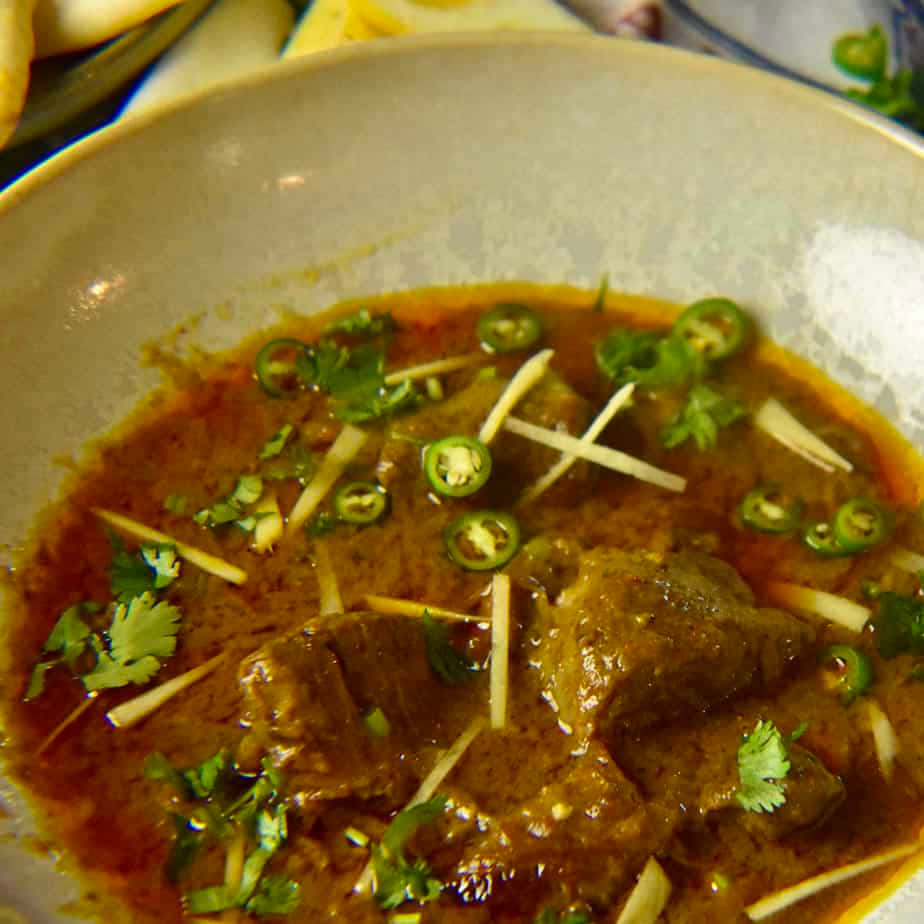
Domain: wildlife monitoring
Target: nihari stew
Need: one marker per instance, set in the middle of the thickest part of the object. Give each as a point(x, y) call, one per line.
point(501, 604)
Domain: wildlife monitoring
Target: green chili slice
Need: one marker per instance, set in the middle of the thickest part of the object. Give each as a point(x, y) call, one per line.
point(769, 509)
point(482, 540)
point(457, 465)
point(862, 55)
point(361, 503)
point(714, 327)
point(820, 538)
point(509, 327)
point(277, 367)
point(854, 671)
point(859, 525)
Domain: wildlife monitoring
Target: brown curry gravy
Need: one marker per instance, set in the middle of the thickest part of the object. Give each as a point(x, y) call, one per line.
point(196, 438)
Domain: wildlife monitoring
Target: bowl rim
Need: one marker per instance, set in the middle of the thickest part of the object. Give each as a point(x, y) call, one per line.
point(751, 79)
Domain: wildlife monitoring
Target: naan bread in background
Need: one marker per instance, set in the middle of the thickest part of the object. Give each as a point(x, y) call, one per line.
point(16, 46)
point(72, 25)
point(234, 38)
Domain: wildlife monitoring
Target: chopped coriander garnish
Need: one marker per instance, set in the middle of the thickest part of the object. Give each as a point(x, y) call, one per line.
point(142, 632)
point(246, 491)
point(705, 412)
point(294, 462)
point(68, 640)
point(221, 812)
point(362, 323)
point(275, 895)
point(397, 879)
point(449, 665)
point(762, 762)
point(648, 359)
point(154, 567)
point(276, 443)
point(899, 625)
point(378, 403)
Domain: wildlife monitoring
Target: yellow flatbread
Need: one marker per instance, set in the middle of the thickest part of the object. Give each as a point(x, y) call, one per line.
point(16, 46)
point(71, 25)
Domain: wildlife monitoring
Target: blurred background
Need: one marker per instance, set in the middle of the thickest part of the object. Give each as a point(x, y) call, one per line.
point(88, 63)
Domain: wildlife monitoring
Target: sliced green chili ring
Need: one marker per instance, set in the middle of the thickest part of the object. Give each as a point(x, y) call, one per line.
point(457, 465)
point(509, 327)
point(854, 671)
point(482, 540)
point(715, 327)
point(860, 524)
point(769, 509)
point(361, 503)
point(820, 538)
point(277, 367)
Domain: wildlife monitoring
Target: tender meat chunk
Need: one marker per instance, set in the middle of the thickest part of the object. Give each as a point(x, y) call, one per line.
point(305, 696)
point(689, 772)
point(640, 638)
point(580, 837)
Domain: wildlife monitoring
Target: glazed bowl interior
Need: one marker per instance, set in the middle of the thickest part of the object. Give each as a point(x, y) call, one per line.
point(446, 161)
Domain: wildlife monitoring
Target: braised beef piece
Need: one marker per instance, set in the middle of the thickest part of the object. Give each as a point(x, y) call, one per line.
point(305, 696)
point(640, 638)
point(580, 837)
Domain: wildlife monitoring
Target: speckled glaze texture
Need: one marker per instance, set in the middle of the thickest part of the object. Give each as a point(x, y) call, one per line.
point(429, 162)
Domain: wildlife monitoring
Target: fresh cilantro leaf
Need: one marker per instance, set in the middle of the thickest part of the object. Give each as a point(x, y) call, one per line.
point(276, 443)
point(296, 463)
point(163, 560)
point(210, 900)
point(203, 779)
point(70, 633)
point(109, 673)
point(648, 359)
point(396, 879)
point(762, 762)
point(622, 352)
point(362, 323)
point(141, 632)
point(266, 788)
point(246, 491)
point(705, 412)
point(275, 895)
point(129, 575)
point(452, 667)
point(797, 732)
point(383, 402)
point(36, 685)
point(143, 628)
point(899, 625)
point(355, 379)
point(405, 823)
point(253, 870)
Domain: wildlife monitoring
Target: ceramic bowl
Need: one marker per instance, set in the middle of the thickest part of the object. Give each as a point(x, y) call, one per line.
point(442, 161)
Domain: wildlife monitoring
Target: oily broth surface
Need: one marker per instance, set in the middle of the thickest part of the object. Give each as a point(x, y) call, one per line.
point(197, 438)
